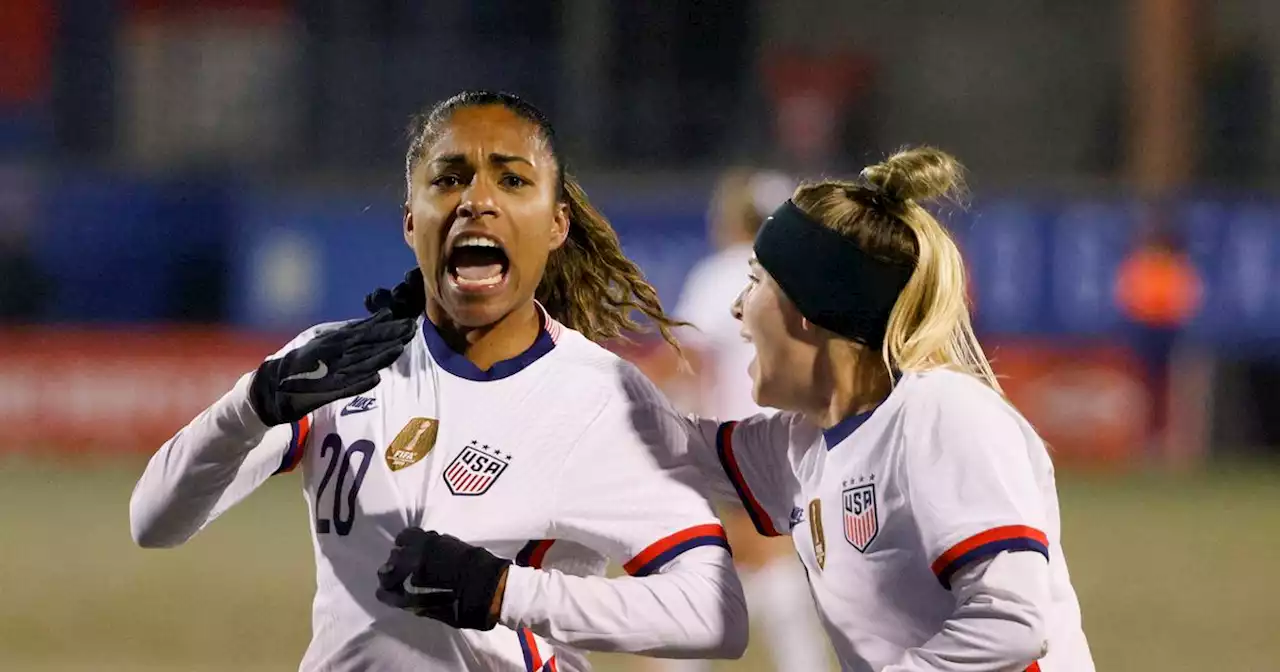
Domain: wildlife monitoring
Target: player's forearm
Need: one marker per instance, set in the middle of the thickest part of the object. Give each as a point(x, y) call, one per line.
point(998, 624)
point(186, 477)
point(694, 609)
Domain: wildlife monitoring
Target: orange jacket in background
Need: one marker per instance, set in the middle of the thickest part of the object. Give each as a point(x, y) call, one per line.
point(1158, 288)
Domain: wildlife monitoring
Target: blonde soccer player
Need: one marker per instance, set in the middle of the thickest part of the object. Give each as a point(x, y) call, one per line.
point(470, 467)
point(922, 504)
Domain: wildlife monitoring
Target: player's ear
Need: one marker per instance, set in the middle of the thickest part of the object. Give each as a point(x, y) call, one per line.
point(407, 225)
point(560, 225)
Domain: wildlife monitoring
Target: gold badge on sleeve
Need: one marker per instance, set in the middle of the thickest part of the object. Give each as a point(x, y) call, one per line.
point(815, 531)
point(412, 443)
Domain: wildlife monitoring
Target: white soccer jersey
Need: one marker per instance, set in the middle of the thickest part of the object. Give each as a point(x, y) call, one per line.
point(553, 459)
point(890, 511)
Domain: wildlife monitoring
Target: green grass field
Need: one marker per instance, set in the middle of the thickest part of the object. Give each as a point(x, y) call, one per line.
point(1174, 573)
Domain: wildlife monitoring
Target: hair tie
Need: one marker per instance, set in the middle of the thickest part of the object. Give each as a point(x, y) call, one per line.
point(872, 193)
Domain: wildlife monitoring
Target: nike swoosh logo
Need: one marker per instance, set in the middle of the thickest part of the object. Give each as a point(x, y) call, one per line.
point(352, 409)
point(320, 371)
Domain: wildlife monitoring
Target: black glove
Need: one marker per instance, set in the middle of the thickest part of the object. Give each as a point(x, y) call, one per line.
point(335, 365)
point(407, 300)
point(442, 577)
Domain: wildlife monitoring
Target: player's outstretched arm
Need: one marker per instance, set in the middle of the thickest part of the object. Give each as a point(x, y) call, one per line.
point(683, 600)
point(692, 607)
point(259, 427)
point(225, 453)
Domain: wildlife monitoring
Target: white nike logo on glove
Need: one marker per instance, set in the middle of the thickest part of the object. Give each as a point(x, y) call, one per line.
point(320, 371)
point(421, 590)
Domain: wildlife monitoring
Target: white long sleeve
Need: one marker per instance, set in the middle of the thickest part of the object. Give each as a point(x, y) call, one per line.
point(224, 454)
point(694, 608)
point(749, 462)
point(998, 624)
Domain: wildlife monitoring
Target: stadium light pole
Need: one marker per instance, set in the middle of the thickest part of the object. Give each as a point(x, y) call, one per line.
point(1163, 103)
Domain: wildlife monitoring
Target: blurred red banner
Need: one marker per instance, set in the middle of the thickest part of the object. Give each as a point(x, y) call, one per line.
point(1090, 402)
point(127, 391)
point(114, 390)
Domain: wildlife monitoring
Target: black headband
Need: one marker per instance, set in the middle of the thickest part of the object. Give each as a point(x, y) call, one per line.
point(833, 283)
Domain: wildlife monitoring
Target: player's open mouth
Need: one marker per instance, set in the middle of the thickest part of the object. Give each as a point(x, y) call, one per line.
point(477, 263)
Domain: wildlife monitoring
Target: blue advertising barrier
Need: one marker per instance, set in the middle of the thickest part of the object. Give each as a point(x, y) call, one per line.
point(117, 248)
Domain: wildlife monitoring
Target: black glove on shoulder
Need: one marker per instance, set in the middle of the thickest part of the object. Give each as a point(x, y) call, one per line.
point(442, 577)
point(407, 300)
point(334, 365)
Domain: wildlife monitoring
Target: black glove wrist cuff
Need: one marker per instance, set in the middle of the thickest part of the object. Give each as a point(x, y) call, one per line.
point(260, 397)
point(481, 574)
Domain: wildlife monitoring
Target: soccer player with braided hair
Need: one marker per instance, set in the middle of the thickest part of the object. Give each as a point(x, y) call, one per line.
point(471, 457)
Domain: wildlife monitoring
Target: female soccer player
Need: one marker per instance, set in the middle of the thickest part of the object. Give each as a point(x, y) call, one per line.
point(487, 475)
point(922, 505)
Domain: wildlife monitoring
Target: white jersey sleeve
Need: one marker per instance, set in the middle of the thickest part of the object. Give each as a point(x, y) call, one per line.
point(970, 482)
point(693, 608)
point(626, 491)
point(750, 461)
point(998, 623)
point(212, 464)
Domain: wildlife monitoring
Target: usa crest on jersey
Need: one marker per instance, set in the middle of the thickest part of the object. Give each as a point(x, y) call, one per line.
point(861, 520)
point(474, 470)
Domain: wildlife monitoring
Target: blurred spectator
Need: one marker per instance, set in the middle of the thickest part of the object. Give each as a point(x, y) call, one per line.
point(741, 201)
point(1159, 290)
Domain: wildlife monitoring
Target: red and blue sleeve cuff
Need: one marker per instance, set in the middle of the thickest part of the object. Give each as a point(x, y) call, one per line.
point(532, 657)
point(663, 551)
point(297, 446)
point(534, 553)
point(988, 544)
point(729, 461)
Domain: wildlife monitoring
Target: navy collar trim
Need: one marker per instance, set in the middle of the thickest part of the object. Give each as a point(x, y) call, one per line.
point(456, 363)
point(843, 429)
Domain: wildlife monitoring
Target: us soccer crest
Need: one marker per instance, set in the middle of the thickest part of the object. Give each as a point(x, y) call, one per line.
point(475, 469)
point(861, 518)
